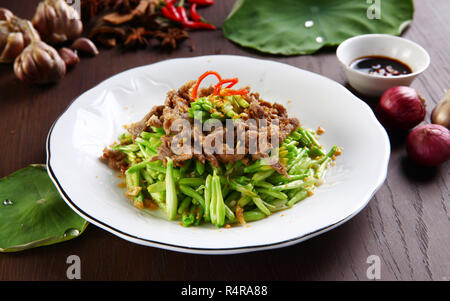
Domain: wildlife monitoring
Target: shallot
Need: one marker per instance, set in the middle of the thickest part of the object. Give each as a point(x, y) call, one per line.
point(429, 145)
point(401, 108)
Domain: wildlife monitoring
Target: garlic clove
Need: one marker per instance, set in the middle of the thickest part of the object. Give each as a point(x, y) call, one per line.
point(13, 47)
point(31, 68)
point(42, 59)
point(441, 112)
point(76, 27)
point(69, 57)
point(85, 45)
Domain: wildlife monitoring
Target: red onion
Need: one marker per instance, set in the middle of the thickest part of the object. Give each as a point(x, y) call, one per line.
point(429, 145)
point(401, 108)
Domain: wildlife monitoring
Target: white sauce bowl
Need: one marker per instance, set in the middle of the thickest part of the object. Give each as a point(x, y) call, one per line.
point(384, 45)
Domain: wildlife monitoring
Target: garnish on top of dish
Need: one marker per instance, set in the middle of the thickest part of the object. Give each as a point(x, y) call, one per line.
point(219, 155)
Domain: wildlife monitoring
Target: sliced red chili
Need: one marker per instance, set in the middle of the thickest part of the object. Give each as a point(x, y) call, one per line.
point(235, 92)
point(201, 78)
point(218, 86)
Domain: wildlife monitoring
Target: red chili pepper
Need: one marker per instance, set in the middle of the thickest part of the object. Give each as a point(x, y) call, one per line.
point(202, 2)
point(166, 13)
point(183, 14)
point(193, 12)
point(173, 11)
point(198, 25)
point(199, 80)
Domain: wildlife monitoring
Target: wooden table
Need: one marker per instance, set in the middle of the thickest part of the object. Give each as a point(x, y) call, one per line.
point(406, 224)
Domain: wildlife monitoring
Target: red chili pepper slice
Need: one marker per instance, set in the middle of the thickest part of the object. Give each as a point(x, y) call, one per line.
point(218, 86)
point(201, 78)
point(193, 12)
point(235, 92)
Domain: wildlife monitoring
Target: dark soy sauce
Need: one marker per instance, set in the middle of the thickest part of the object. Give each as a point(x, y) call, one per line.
point(380, 65)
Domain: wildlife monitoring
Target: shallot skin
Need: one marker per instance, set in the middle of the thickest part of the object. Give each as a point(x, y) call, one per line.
point(401, 108)
point(429, 145)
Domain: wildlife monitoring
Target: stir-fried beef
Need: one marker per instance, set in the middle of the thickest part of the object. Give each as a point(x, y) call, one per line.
point(115, 159)
point(271, 119)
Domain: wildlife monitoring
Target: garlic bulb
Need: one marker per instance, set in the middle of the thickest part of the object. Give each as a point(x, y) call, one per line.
point(57, 22)
point(441, 112)
point(39, 63)
point(5, 14)
point(15, 35)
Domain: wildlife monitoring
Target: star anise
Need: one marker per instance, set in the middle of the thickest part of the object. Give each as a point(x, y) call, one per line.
point(138, 37)
point(171, 37)
point(106, 34)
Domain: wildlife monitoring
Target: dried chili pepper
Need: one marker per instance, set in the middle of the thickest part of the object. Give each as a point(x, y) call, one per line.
point(201, 78)
point(193, 12)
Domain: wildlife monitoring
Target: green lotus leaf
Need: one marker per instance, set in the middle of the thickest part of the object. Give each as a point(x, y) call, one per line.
point(32, 213)
point(291, 27)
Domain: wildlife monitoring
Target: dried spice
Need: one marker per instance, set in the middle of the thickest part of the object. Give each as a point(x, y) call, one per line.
point(171, 37)
point(124, 6)
point(107, 35)
point(91, 8)
point(117, 18)
point(134, 23)
point(138, 37)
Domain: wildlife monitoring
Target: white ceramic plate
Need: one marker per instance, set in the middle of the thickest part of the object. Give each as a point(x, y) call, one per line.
point(96, 118)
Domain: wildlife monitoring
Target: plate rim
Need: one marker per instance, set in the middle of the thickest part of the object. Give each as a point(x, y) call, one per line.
point(214, 251)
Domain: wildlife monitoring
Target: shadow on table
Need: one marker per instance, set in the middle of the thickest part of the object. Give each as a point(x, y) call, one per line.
point(13, 90)
point(419, 173)
point(319, 258)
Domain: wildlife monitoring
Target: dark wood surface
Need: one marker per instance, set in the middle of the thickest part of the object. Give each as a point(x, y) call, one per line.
point(406, 224)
